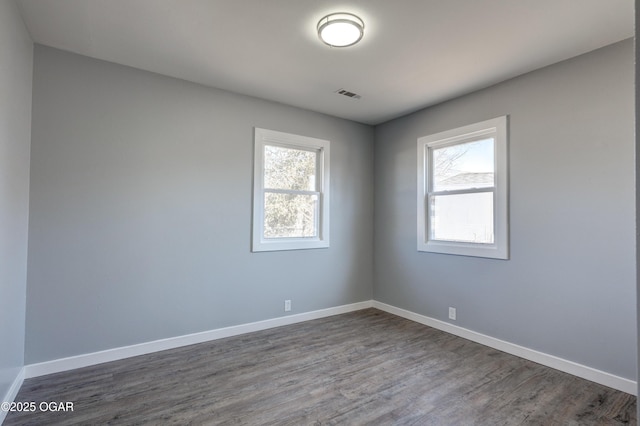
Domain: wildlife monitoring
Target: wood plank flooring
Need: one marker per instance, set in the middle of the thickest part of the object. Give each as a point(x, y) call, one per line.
point(366, 367)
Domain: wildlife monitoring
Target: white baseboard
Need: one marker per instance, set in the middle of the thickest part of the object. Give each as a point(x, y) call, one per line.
point(85, 360)
point(588, 373)
point(12, 392)
point(70, 363)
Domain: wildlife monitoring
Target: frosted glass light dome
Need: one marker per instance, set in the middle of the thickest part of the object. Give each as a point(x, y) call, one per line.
point(340, 29)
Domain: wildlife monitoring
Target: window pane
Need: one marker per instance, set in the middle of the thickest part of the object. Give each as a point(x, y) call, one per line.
point(289, 168)
point(290, 215)
point(462, 218)
point(463, 166)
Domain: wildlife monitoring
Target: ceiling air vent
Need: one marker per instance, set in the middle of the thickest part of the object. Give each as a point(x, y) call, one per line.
point(348, 94)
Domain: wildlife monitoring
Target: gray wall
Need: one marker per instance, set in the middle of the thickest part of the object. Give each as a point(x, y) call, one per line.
point(141, 210)
point(16, 58)
point(569, 288)
point(637, 117)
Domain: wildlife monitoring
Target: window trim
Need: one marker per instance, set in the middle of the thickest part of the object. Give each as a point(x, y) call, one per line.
point(496, 127)
point(263, 137)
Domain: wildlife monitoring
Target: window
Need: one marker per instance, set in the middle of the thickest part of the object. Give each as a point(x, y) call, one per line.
point(290, 192)
point(462, 191)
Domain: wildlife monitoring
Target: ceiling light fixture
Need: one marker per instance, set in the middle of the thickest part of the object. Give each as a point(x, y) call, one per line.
point(340, 29)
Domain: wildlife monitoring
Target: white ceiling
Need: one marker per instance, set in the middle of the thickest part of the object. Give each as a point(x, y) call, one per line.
point(414, 53)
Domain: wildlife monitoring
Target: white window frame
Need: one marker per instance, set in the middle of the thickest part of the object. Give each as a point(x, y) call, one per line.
point(496, 128)
point(264, 137)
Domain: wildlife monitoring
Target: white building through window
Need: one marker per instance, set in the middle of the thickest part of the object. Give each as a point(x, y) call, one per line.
point(291, 192)
point(463, 191)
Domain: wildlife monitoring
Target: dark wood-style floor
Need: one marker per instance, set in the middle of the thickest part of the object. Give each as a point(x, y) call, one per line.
point(365, 367)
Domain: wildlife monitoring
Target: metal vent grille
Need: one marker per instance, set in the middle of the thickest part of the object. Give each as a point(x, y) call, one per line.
point(348, 94)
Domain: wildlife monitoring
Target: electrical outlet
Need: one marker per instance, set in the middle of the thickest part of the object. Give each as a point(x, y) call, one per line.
point(452, 313)
point(287, 305)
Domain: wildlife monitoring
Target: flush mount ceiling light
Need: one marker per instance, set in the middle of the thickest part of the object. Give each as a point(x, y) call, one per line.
point(340, 29)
